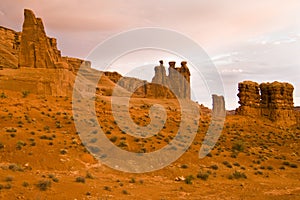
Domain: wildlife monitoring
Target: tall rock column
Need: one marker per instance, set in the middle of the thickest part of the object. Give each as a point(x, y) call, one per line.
point(179, 80)
point(218, 106)
point(160, 76)
point(36, 49)
point(277, 102)
point(185, 80)
point(249, 99)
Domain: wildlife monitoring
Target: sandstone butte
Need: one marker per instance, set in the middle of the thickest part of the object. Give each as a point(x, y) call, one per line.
point(273, 101)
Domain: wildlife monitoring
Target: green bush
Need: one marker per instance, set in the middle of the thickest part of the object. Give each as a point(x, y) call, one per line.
point(237, 175)
point(203, 176)
point(188, 179)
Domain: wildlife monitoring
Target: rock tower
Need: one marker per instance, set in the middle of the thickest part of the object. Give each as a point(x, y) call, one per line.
point(178, 79)
point(270, 100)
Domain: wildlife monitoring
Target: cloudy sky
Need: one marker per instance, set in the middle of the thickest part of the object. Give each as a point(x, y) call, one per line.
point(247, 40)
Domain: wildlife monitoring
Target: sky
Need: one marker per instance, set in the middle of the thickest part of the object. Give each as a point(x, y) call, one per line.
point(255, 40)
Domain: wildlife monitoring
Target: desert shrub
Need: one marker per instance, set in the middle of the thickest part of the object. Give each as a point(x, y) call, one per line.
point(270, 168)
point(43, 185)
point(25, 184)
point(3, 95)
point(292, 165)
point(209, 154)
point(237, 175)
point(20, 144)
point(184, 166)
point(106, 188)
point(258, 172)
point(214, 167)
point(89, 175)
point(132, 180)
point(25, 93)
point(125, 192)
point(1, 145)
point(63, 151)
point(55, 179)
point(227, 164)
point(7, 186)
point(122, 144)
point(9, 179)
point(282, 167)
point(188, 179)
point(238, 146)
point(286, 163)
point(15, 167)
point(45, 137)
point(203, 176)
point(11, 130)
point(113, 139)
point(58, 125)
point(80, 179)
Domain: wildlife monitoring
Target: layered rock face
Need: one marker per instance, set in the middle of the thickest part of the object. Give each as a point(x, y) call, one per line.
point(271, 100)
point(37, 50)
point(249, 98)
point(218, 106)
point(42, 70)
point(277, 101)
point(9, 48)
point(40, 67)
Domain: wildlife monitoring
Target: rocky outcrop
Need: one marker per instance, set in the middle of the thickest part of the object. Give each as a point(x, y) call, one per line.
point(297, 111)
point(160, 76)
point(277, 102)
point(32, 48)
point(178, 80)
point(270, 100)
point(249, 99)
point(140, 88)
point(9, 48)
point(218, 106)
point(40, 67)
point(32, 53)
point(175, 85)
point(37, 50)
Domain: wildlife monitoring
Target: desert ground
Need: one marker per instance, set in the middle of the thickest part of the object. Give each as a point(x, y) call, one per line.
point(42, 157)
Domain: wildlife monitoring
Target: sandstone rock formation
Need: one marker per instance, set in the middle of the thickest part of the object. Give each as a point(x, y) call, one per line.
point(175, 85)
point(33, 50)
point(9, 48)
point(249, 99)
point(277, 101)
point(42, 70)
point(218, 106)
point(178, 80)
point(37, 50)
point(270, 100)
